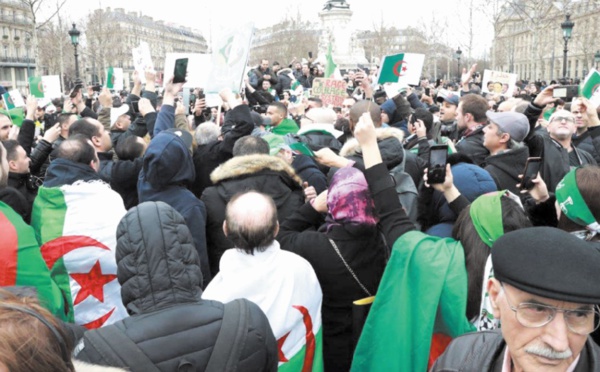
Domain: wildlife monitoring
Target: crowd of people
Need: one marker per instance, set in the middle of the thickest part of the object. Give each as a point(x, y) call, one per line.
point(274, 232)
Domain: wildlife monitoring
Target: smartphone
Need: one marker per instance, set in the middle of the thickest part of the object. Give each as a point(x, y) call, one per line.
point(532, 167)
point(180, 70)
point(135, 106)
point(309, 54)
point(436, 170)
point(201, 95)
point(75, 90)
point(566, 92)
point(427, 91)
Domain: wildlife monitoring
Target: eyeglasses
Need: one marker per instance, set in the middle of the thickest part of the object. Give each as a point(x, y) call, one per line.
point(561, 118)
point(532, 315)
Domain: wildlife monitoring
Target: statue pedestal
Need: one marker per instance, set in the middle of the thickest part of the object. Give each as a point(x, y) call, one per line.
point(337, 30)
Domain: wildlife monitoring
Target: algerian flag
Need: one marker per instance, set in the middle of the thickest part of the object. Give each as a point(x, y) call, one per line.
point(45, 86)
point(114, 78)
point(419, 307)
point(76, 227)
point(16, 115)
point(590, 88)
point(330, 66)
point(8, 102)
point(21, 263)
point(401, 68)
point(287, 290)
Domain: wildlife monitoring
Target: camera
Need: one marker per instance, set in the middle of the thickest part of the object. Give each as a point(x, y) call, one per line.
point(97, 87)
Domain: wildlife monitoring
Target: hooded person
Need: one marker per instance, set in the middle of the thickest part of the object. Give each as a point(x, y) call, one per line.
point(167, 172)
point(170, 324)
point(348, 235)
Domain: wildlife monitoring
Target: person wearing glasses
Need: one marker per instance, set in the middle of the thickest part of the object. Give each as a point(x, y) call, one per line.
point(560, 154)
point(544, 293)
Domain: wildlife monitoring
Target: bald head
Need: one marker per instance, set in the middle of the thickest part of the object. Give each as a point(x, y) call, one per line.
point(360, 108)
point(251, 221)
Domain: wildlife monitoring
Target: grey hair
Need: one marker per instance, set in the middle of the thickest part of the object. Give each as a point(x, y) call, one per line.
point(207, 133)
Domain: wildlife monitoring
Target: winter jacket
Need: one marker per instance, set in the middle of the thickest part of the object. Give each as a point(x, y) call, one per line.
point(66, 172)
point(160, 277)
point(472, 145)
point(506, 167)
point(309, 172)
point(257, 77)
point(363, 250)
point(556, 161)
point(209, 156)
point(122, 175)
point(167, 171)
point(26, 184)
point(263, 173)
point(589, 141)
point(484, 351)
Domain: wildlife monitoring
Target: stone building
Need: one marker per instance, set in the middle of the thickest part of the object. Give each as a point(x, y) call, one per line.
point(16, 55)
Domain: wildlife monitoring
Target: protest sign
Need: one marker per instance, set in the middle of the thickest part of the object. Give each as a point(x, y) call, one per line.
point(498, 82)
point(331, 91)
point(142, 60)
point(198, 68)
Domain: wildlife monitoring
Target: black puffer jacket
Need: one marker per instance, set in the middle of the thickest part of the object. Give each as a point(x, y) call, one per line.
point(159, 273)
point(506, 167)
point(472, 145)
point(264, 173)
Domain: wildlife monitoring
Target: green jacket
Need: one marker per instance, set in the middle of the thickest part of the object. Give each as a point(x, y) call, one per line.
point(286, 126)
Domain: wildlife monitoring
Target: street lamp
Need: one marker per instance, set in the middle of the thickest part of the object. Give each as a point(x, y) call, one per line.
point(74, 34)
point(457, 56)
point(567, 28)
point(597, 58)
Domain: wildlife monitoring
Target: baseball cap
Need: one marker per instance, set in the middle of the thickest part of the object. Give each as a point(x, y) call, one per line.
point(513, 123)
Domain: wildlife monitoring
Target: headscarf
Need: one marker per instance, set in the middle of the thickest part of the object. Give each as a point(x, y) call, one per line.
point(486, 214)
point(349, 201)
point(573, 205)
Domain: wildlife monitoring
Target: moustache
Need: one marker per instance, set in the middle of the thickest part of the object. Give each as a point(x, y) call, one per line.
point(548, 352)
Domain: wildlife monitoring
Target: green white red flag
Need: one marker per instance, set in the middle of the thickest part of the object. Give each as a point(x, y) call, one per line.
point(76, 227)
point(401, 68)
point(419, 308)
point(21, 263)
point(590, 88)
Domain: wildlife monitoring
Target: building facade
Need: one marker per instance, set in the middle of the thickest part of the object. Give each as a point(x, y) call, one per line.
point(529, 40)
point(16, 56)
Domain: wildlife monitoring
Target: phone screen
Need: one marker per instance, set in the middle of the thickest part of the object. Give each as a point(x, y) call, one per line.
point(532, 167)
point(180, 70)
point(436, 172)
point(135, 105)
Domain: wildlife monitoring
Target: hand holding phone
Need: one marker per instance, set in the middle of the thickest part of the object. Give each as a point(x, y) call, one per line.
point(532, 168)
point(180, 72)
point(436, 170)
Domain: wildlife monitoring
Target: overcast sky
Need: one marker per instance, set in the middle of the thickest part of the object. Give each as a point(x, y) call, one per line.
point(210, 17)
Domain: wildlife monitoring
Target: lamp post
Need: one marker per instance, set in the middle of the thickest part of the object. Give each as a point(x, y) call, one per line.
point(597, 58)
point(74, 34)
point(457, 56)
point(567, 28)
point(27, 46)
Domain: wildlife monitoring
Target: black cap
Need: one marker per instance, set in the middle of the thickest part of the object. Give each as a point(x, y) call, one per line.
point(549, 262)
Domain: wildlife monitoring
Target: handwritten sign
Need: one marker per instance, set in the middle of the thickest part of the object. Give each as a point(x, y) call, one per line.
point(331, 91)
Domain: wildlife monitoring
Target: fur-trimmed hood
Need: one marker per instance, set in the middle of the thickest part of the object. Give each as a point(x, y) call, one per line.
point(390, 144)
point(251, 164)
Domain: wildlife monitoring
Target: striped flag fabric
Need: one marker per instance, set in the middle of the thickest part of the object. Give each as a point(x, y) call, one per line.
point(419, 307)
point(401, 68)
point(45, 86)
point(287, 290)
point(590, 88)
point(76, 227)
point(21, 263)
point(114, 78)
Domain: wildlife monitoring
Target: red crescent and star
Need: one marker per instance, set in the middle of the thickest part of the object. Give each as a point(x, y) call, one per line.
point(403, 68)
point(310, 341)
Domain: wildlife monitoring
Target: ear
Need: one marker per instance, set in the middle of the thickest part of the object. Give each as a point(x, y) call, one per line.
point(277, 229)
point(225, 228)
point(494, 289)
point(96, 141)
point(505, 138)
point(12, 166)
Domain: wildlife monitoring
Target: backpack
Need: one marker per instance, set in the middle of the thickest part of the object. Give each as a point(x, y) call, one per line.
point(406, 189)
point(118, 350)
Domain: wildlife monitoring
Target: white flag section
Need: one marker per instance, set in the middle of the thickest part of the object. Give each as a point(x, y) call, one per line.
point(402, 68)
point(76, 226)
point(16, 98)
point(51, 86)
point(142, 60)
point(229, 59)
point(590, 88)
point(285, 286)
point(198, 68)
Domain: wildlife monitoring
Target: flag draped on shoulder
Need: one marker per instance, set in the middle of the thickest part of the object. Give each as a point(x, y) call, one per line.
point(21, 263)
point(401, 68)
point(76, 227)
point(419, 307)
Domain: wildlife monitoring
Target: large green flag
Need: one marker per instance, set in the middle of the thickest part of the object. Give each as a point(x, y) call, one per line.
point(330, 66)
point(419, 307)
point(402, 68)
point(36, 86)
point(590, 88)
point(21, 262)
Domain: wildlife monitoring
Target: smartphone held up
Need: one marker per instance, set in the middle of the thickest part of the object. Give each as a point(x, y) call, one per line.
point(436, 170)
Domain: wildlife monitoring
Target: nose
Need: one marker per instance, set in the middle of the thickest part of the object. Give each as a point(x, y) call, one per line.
point(556, 333)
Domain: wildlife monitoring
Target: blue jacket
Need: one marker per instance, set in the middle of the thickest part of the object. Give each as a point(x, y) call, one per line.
point(66, 172)
point(167, 171)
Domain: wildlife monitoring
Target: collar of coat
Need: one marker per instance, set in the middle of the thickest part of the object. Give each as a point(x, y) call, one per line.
point(352, 147)
point(250, 164)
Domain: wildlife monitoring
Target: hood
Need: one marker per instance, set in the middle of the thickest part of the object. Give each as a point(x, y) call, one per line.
point(390, 145)
point(66, 172)
point(251, 164)
point(302, 163)
point(471, 180)
point(168, 162)
point(157, 263)
point(510, 162)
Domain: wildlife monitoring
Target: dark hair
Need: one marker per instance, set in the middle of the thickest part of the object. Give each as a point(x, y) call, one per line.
point(317, 100)
point(477, 252)
point(426, 117)
point(256, 236)
point(280, 107)
point(11, 147)
point(475, 105)
point(249, 145)
point(403, 109)
point(129, 148)
point(588, 178)
point(77, 149)
point(85, 128)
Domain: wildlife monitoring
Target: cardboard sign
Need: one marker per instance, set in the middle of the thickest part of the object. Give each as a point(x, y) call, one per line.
point(331, 91)
point(498, 82)
point(142, 60)
point(198, 68)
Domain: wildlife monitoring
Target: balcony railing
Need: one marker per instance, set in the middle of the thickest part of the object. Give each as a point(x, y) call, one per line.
point(17, 60)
